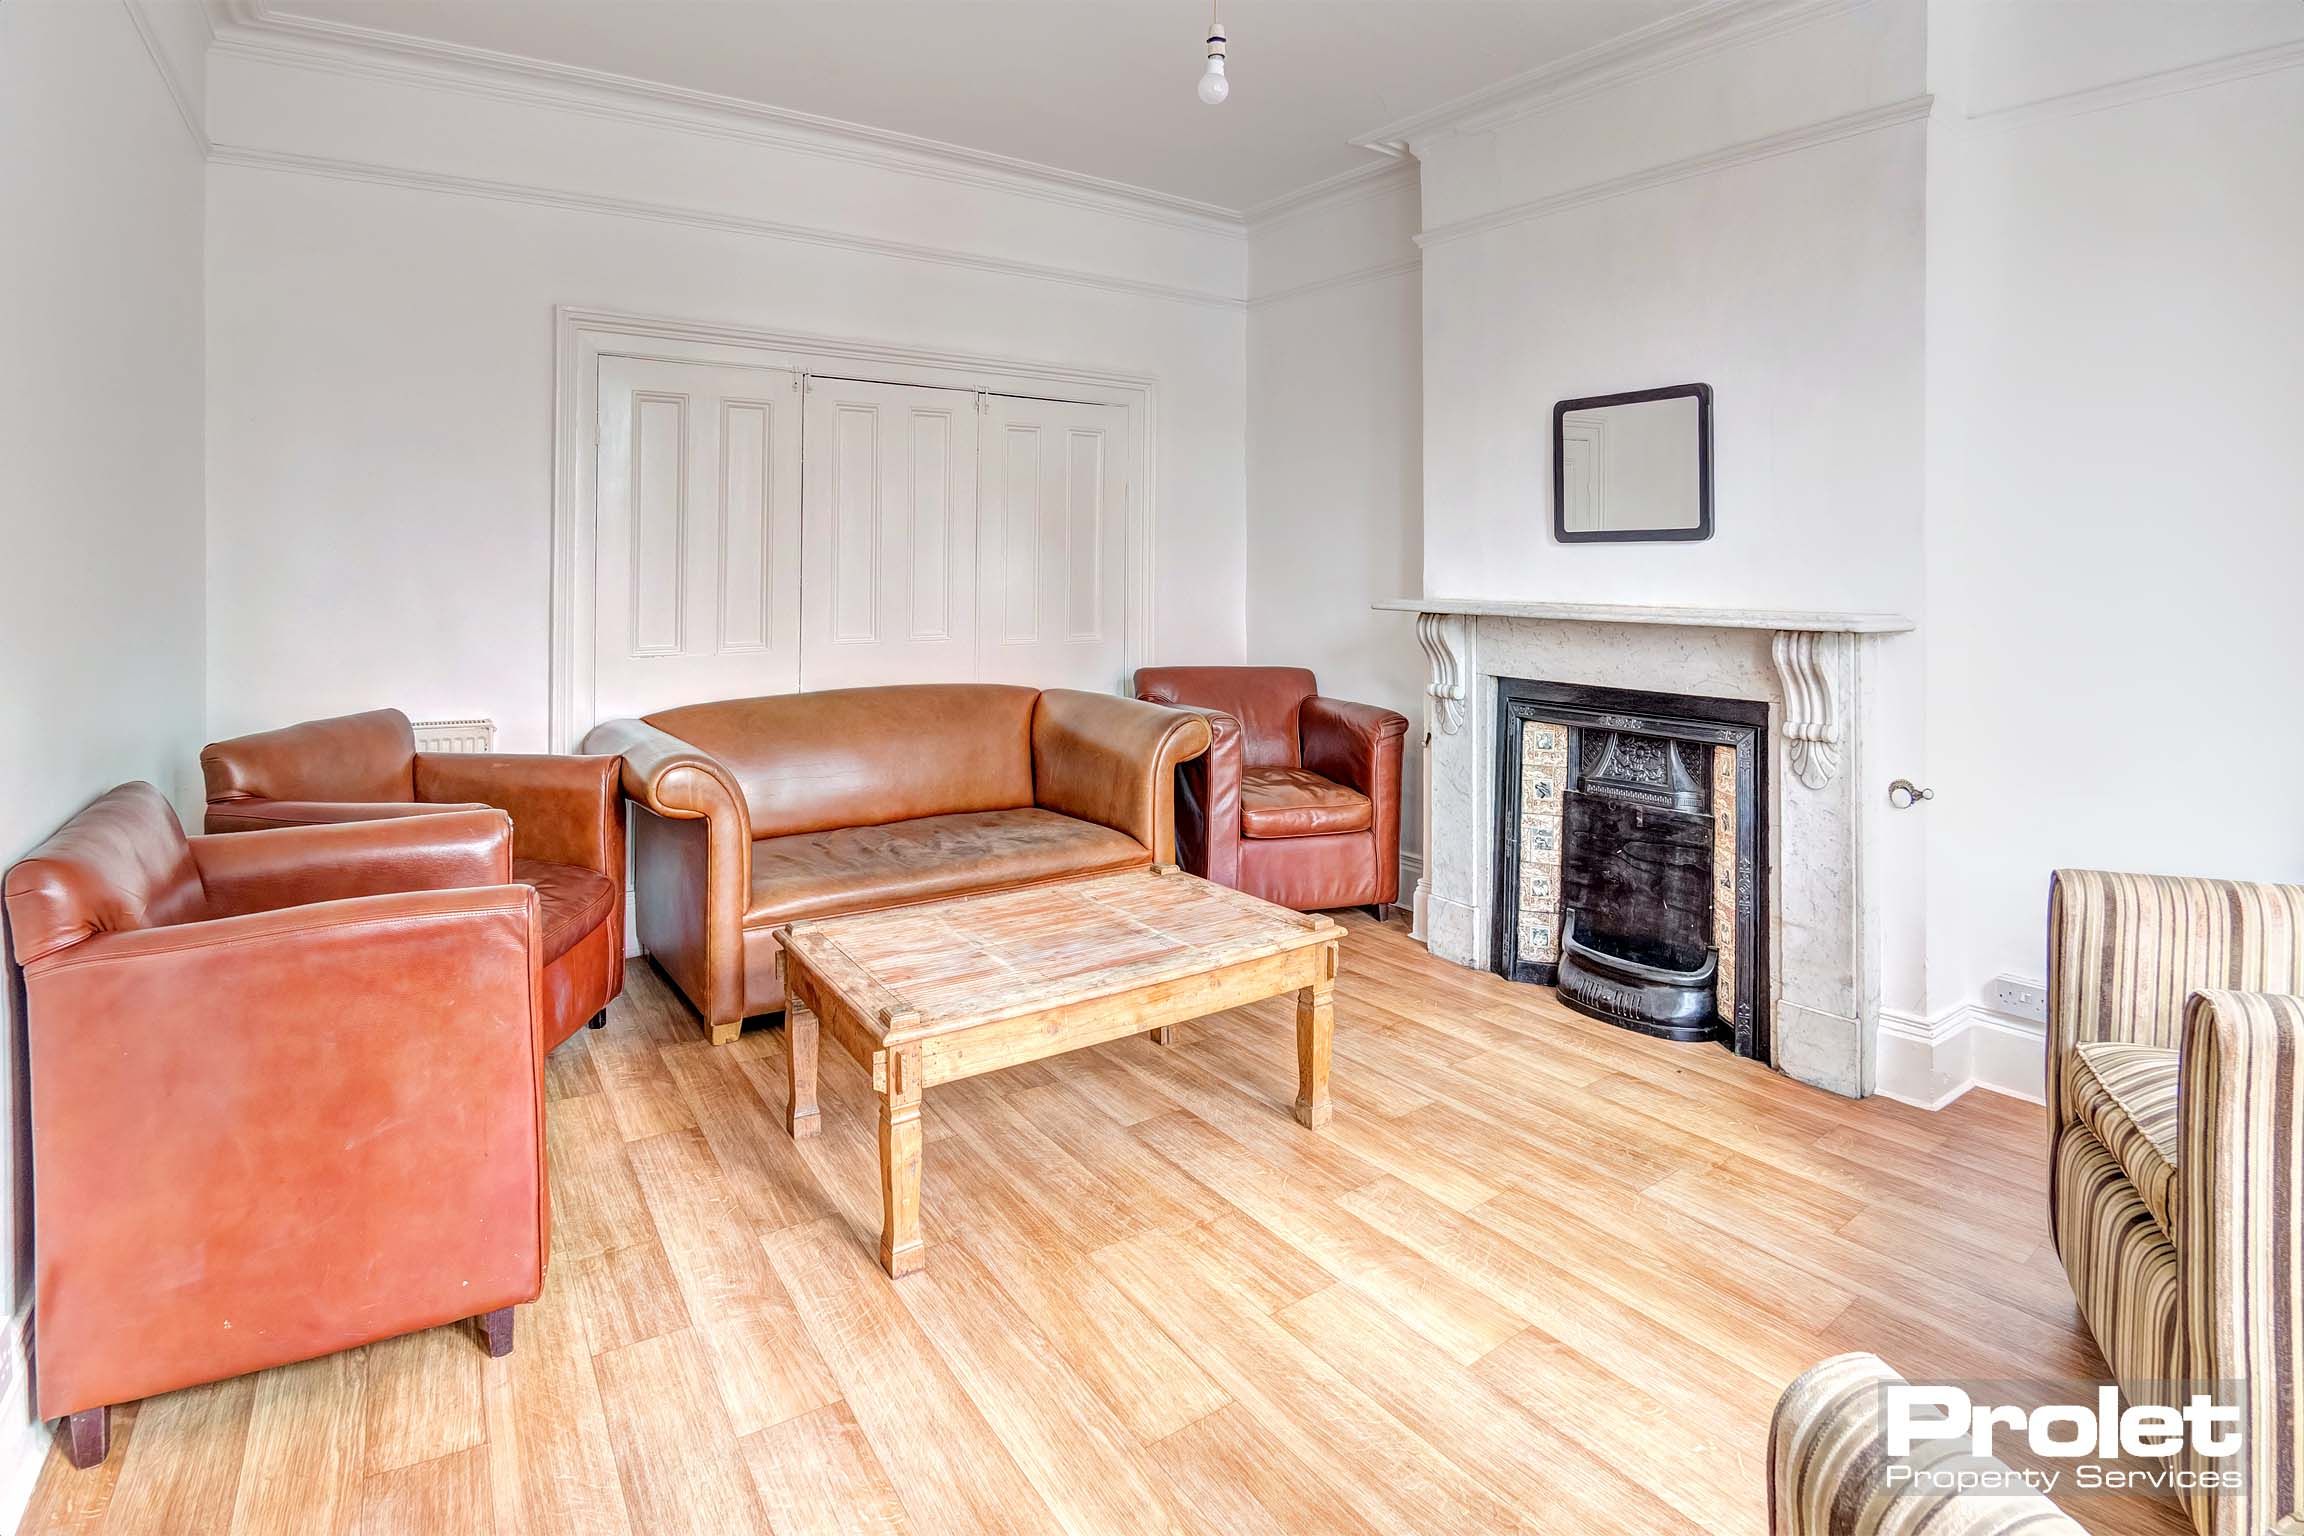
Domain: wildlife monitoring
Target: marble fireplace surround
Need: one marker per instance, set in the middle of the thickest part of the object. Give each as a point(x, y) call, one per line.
point(1814, 671)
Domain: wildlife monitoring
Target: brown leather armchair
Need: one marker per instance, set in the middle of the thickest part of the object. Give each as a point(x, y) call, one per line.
point(287, 1095)
point(1298, 798)
point(567, 827)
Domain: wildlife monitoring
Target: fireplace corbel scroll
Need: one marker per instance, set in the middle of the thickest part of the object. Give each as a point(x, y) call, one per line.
point(1442, 636)
point(1808, 665)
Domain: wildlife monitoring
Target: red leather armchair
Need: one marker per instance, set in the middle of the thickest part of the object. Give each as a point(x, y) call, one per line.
point(567, 827)
point(286, 1095)
point(1297, 800)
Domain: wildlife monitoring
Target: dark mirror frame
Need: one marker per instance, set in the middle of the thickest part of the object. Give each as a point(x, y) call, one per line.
point(1703, 529)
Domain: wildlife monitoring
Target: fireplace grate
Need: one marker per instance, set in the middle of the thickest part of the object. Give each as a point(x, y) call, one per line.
point(1631, 843)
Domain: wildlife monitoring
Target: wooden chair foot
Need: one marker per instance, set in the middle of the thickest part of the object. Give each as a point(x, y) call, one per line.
point(725, 1034)
point(496, 1332)
point(1164, 1035)
point(598, 1020)
point(88, 1437)
point(805, 1126)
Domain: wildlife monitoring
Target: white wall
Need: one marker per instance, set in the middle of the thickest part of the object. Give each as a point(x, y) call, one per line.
point(2115, 525)
point(100, 430)
point(1335, 464)
point(1631, 236)
point(386, 248)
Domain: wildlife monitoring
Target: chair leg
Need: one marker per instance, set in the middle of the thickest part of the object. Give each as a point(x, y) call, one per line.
point(88, 1437)
point(599, 1020)
point(1375, 910)
point(496, 1332)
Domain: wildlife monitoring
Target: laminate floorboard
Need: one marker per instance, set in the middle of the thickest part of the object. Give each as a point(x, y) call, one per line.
point(1540, 1274)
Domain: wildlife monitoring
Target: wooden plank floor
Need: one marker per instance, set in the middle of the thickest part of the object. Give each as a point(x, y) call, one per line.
point(1540, 1275)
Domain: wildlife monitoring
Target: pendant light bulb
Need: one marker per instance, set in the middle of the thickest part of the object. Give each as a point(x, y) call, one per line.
point(1213, 86)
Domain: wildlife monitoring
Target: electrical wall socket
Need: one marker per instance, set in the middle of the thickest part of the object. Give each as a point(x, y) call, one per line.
point(2018, 998)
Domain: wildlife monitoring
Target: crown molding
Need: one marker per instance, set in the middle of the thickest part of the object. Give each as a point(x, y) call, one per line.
point(245, 28)
point(1830, 130)
point(2163, 82)
point(1352, 279)
point(1661, 45)
point(701, 218)
point(177, 94)
point(1361, 181)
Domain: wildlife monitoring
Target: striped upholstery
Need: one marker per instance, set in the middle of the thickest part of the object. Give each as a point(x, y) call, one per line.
point(2242, 1237)
point(2125, 951)
point(1824, 1457)
point(2200, 1279)
point(2122, 1264)
point(2126, 1094)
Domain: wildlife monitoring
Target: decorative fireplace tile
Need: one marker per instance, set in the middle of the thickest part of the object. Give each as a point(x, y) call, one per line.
point(1540, 937)
point(1543, 778)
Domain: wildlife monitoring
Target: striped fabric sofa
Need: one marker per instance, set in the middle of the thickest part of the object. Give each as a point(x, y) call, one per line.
point(1826, 1451)
point(2175, 1121)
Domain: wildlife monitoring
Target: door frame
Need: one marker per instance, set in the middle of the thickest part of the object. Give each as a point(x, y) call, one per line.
point(581, 337)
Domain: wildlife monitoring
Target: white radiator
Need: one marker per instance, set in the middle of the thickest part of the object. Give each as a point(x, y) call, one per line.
point(454, 735)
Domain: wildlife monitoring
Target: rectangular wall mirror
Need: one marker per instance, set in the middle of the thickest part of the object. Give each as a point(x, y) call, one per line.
point(1633, 468)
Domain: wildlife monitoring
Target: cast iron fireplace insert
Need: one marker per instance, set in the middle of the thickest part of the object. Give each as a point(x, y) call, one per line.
point(1631, 857)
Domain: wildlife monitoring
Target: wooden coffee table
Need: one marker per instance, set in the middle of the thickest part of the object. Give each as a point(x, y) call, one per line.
point(923, 995)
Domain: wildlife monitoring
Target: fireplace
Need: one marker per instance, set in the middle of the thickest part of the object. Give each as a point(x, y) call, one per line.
point(1816, 873)
point(1631, 857)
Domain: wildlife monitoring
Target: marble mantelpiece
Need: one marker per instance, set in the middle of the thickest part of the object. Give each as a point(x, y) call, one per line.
point(1812, 669)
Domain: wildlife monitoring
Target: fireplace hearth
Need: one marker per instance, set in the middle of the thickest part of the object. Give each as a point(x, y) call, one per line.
point(1631, 848)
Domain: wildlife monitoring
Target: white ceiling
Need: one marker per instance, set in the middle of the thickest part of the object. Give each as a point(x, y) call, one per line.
point(1101, 87)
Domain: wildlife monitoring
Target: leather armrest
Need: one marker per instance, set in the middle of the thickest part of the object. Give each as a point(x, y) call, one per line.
point(253, 815)
point(1208, 802)
point(565, 810)
point(294, 866)
point(1359, 745)
point(668, 775)
point(1345, 743)
point(1113, 761)
point(696, 935)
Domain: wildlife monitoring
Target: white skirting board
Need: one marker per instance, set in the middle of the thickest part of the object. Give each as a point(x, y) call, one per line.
point(1931, 1062)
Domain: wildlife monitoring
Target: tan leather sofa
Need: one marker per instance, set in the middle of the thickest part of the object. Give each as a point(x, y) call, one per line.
point(757, 812)
point(567, 827)
point(286, 1094)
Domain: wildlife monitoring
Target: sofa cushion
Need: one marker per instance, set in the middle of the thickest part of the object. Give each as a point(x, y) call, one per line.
point(2126, 1094)
point(861, 869)
point(1293, 802)
point(571, 901)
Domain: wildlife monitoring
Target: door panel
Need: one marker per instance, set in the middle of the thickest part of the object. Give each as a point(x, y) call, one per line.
point(696, 572)
point(888, 541)
point(1055, 540)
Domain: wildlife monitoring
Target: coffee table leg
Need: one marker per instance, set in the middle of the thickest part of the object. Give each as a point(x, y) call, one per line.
point(1164, 1035)
point(800, 1069)
point(1315, 1025)
point(901, 1248)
